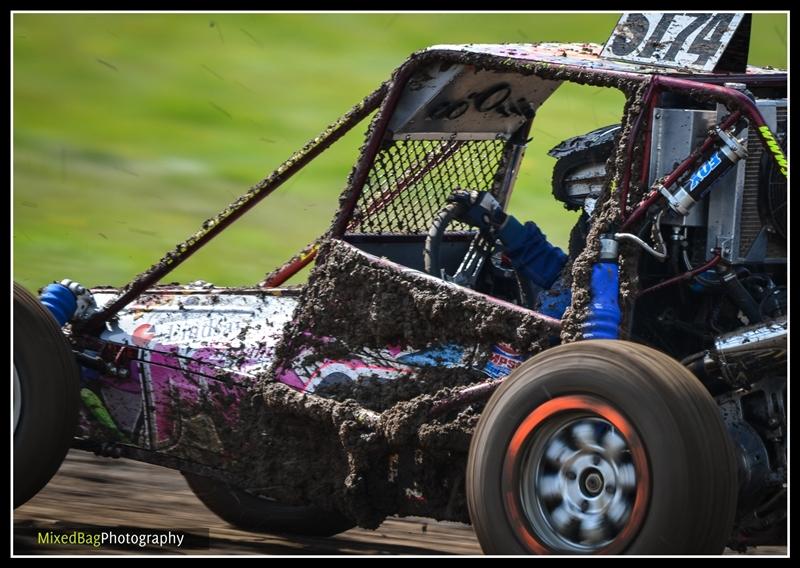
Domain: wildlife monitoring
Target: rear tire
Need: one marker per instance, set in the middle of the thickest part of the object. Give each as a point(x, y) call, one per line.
point(603, 447)
point(46, 396)
point(259, 514)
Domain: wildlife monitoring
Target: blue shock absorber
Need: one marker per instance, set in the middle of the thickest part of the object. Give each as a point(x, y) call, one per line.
point(60, 301)
point(604, 313)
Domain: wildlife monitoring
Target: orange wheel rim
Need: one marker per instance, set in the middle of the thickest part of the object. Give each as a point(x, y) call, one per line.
point(595, 486)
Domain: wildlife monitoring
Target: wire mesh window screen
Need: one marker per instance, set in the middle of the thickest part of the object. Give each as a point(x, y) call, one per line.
point(410, 181)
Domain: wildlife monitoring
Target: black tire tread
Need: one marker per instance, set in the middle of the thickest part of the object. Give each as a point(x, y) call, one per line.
point(50, 408)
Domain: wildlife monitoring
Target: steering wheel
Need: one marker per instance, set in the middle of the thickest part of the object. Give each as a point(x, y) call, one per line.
point(503, 281)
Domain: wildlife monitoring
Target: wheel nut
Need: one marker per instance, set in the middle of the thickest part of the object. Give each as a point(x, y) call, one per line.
point(592, 483)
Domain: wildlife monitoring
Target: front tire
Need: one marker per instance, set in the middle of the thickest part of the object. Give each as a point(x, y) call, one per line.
point(259, 514)
point(601, 447)
point(46, 396)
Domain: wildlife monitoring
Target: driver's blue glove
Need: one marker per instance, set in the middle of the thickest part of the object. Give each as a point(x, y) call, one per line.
point(530, 253)
point(483, 210)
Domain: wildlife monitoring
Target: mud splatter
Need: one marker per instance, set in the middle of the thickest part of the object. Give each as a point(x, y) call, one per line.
point(378, 394)
point(403, 308)
point(365, 465)
point(389, 454)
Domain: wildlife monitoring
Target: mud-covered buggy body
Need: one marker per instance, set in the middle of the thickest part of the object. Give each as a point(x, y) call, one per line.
point(358, 394)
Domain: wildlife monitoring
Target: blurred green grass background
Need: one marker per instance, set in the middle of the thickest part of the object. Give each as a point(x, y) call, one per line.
point(131, 129)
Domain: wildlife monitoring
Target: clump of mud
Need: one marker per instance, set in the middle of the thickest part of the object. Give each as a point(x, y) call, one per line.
point(365, 302)
point(389, 450)
point(298, 448)
point(379, 394)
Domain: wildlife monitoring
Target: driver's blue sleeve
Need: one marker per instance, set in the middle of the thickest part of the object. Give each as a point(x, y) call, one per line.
point(530, 253)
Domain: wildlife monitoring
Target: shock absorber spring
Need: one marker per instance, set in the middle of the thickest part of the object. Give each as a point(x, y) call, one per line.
point(722, 156)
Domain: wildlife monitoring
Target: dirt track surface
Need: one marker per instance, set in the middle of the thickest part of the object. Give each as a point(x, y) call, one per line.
point(93, 492)
point(97, 493)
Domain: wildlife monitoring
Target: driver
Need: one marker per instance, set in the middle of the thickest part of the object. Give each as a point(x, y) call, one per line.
point(525, 246)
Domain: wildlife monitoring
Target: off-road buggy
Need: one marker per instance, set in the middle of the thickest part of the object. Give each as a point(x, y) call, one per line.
point(417, 374)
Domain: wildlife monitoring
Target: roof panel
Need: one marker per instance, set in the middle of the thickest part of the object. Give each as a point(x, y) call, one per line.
point(584, 55)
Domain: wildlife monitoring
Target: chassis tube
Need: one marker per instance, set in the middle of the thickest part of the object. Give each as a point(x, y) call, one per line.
point(647, 102)
point(290, 267)
point(747, 106)
point(685, 276)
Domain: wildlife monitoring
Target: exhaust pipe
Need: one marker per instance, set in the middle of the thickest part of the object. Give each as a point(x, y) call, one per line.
point(742, 354)
point(754, 338)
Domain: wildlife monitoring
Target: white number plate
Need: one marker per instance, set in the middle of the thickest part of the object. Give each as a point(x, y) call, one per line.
point(695, 40)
